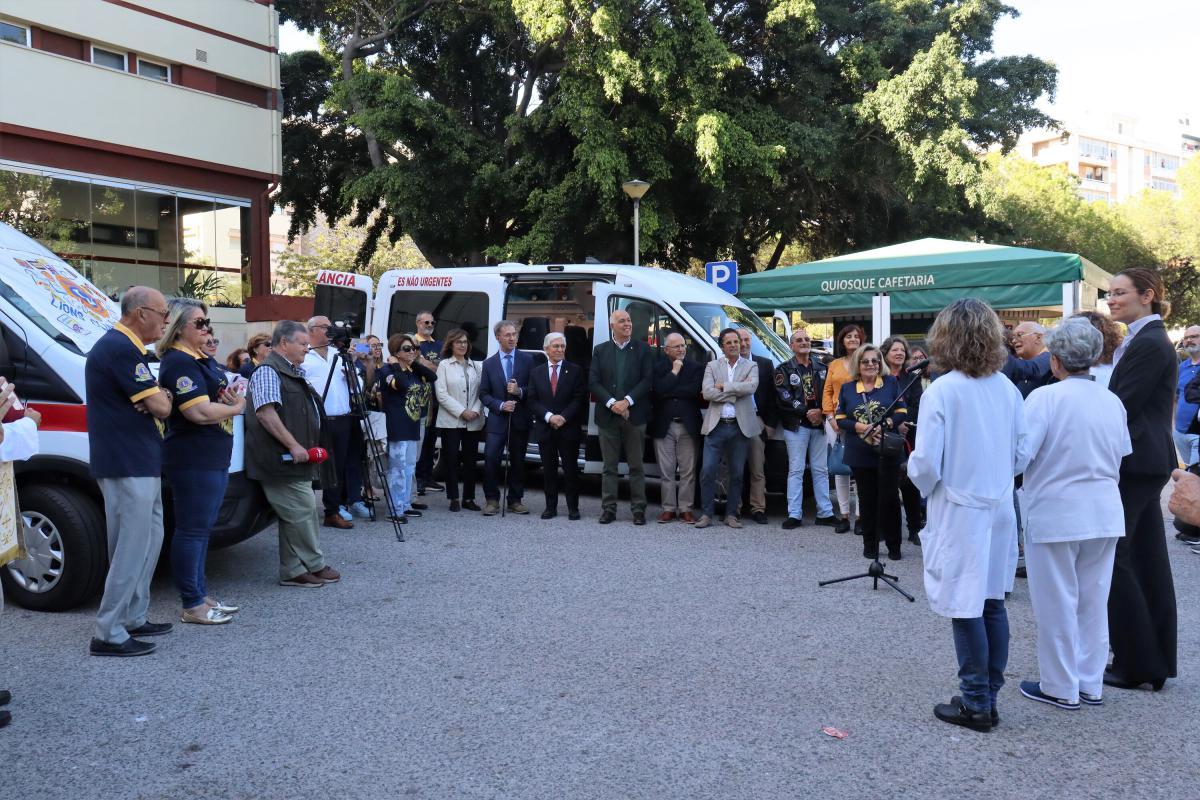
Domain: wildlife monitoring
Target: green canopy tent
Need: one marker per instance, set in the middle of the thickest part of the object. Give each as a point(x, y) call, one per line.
point(923, 277)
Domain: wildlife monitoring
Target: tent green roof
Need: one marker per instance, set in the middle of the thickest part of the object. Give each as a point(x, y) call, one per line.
point(922, 276)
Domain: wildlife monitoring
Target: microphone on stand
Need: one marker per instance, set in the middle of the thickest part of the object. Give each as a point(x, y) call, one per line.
point(315, 456)
point(920, 366)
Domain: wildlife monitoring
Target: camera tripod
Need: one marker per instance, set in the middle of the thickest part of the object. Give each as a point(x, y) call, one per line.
point(876, 571)
point(372, 455)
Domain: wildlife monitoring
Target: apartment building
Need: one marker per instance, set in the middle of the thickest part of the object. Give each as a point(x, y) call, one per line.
point(141, 139)
point(1115, 156)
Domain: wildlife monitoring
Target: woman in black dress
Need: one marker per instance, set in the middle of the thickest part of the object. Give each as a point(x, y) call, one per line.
point(1141, 604)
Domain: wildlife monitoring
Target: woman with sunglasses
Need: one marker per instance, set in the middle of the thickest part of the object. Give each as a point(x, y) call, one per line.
point(199, 443)
point(404, 384)
point(459, 416)
point(862, 402)
point(259, 348)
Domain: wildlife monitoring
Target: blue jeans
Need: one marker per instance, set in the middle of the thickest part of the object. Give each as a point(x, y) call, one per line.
point(807, 444)
point(982, 647)
point(402, 471)
point(725, 439)
point(1188, 445)
point(197, 495)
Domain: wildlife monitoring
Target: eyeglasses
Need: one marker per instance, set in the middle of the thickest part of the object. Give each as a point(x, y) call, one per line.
point(427, 322)
point(1028, 333)
point(214, 342)
point(202, 322)
point(407, 349)
point(319, 325)
point(164, 314)
point(868, 362)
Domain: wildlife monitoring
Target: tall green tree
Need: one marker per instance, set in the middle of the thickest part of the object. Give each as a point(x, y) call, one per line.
point(503, 129)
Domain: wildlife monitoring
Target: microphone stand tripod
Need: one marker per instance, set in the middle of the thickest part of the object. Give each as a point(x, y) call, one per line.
point(876, 571)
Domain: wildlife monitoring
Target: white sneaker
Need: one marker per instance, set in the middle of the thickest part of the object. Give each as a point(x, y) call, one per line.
point(360, 510)
point(344, 514)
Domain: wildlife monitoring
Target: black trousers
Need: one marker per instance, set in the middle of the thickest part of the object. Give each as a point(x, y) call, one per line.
point(424, 470)
point(493, 455)
point(554, 450)
point(914, 513)
point(879, 506)
point(460, 443)
point(1141, 603)
point(345, 434)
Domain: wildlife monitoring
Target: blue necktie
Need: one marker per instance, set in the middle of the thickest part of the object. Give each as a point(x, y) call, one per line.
point(508, 368)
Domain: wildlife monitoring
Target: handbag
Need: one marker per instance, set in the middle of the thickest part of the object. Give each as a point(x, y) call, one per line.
point(892, 446)
point(836, 462)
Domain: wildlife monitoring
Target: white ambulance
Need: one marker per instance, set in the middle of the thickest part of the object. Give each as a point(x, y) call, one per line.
point(573, 299)
point(50, 316)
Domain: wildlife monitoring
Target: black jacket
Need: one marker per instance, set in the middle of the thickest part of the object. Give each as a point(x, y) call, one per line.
point(764, 395)
point(790, 408)
point(676, 396)
point(1145, 379)
point(570, 400)
point(603, 383)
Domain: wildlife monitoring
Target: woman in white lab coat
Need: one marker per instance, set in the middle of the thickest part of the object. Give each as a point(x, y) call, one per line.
point(969, 438)
point(1077, 435)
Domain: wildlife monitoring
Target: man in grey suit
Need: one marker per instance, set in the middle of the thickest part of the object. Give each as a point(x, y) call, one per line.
point(620, 378)
point(729, 423)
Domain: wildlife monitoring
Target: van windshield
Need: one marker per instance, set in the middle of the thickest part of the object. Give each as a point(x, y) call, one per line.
point(714, 318)
point(19, 302)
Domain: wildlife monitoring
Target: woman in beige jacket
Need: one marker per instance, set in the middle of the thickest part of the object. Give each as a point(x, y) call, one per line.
point(460, 416)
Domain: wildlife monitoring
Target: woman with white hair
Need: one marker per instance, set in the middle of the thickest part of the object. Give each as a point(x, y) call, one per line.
point(1077, 435)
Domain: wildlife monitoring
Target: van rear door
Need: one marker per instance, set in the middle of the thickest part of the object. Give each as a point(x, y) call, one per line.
point(344, 297)
point(472, 302)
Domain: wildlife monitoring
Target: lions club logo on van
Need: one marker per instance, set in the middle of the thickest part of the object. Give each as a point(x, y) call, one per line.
point(81, 307)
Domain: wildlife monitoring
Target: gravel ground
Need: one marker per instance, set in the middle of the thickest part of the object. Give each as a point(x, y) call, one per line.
point(518, 658)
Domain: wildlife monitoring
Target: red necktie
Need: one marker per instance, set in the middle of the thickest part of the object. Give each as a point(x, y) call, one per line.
point(553, 379)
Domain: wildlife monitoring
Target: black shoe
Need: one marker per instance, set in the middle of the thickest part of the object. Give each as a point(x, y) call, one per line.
point(5, 718)
point(843, 526)
point(791, 523)
point(455, 505)
point(573, 514)
point(419, 506)
point(400, 518)
point(1188, 538)
point(639, 518)
point(5, 697)
point(995, 715)
point(151, 629)
point(871, 552)
point(1121, 682)
point(421, 492)
point(606, 517)
point(915, 538)
point(432, 486)
point(958, 714)
point(830, 521)
point(412, 512)
point(549, 514)
point(1021, 573)
point(760, 517)
point(470, 505)
point(129, 647)
point(894, 554)
point(858, 527)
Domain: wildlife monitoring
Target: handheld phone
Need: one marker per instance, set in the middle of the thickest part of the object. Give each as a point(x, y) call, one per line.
point(362, 348)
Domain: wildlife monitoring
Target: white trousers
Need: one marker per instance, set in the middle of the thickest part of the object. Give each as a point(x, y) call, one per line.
point(1068, 586)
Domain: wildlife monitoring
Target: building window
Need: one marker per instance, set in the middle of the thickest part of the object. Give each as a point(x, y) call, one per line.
point(108, 58)
point(14, 33)
point(150, 69)
point(1165, 162)
point(1094, 197)
point(1163, 186)
point(1095, 174)
point(1094, 148)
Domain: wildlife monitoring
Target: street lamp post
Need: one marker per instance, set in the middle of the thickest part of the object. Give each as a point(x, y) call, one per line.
point(635, 189)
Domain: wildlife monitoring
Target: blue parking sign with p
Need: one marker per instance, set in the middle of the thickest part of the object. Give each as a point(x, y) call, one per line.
point(722, 274)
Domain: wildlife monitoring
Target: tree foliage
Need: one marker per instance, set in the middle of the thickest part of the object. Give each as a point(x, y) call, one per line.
point(338, 248)
point(502, 129)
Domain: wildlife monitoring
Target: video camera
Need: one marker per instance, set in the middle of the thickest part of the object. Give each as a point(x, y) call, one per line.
point(343, 330)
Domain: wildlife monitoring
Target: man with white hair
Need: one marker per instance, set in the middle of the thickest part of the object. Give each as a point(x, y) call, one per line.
point(557, 398)
point(323, 369)
point(1030, 367)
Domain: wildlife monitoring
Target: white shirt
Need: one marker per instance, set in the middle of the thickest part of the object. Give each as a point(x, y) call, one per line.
point(1134, 327)
point(550, 373)
point(316, 372)
point(1077, 435)
point(729, 410)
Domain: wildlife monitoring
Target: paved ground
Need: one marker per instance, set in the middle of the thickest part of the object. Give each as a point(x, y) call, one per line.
point(517, 658)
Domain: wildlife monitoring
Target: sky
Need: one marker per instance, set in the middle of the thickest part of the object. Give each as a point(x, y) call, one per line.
point(1113, 55)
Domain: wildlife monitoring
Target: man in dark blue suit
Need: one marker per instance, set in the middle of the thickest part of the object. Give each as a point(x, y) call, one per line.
point(502, 389)
point(675, 427)
point(558, 401)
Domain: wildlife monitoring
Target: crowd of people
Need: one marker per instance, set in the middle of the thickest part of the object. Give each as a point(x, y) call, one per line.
point(1082, 426)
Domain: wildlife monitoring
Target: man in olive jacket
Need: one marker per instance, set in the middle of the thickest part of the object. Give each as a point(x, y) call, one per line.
point(620, 380)
point(285, 422)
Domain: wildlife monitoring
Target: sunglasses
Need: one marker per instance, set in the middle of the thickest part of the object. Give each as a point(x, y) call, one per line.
point(427, 322)
point(867, 362)
point(214, 342)
point(202, 322)
point(407, 348)
point(164, 314)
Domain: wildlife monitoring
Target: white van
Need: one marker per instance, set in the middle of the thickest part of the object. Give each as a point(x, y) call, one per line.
point(50, 316)
point(573, 299)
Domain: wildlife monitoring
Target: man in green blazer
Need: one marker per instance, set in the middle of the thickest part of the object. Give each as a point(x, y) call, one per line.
point(620, 380)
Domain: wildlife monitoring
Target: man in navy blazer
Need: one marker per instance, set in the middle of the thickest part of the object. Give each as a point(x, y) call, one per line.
point(502, 388)
point(558, 401)
point(675, 427)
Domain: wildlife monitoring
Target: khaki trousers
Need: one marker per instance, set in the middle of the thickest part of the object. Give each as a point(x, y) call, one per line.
point(756, 464)
point(676, 452)
point(299, 545)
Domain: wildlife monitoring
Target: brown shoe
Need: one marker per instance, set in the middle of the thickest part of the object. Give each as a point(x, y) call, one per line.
point(666, 516)
point(335, 521)
point(688, 517)
point(304, 580)
point(518, 508)
point(327, 574)
point(491, 508)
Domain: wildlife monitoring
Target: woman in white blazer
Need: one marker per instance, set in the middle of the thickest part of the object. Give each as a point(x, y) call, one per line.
point(1077, 435)
point(460, 416)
